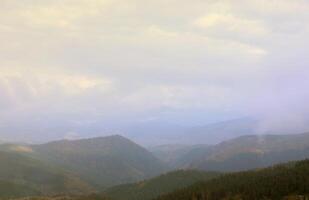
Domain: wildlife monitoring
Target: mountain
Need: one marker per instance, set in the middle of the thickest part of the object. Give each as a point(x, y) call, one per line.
point(177, 155)
point(221, 131)
point(152, 188)
point(197, 153)
point(102, 162)
point(156, 132)
point(21, 175)
point(153, 132)
point(289, 181)
point(248, 152)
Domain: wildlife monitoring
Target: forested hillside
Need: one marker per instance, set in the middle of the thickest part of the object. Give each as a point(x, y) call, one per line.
point(272, 183)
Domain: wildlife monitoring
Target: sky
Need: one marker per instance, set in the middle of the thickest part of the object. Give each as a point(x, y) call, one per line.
point(71, 64)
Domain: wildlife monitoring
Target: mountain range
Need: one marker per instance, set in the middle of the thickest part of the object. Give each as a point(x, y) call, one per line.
point(148, 133)
point(119, 168)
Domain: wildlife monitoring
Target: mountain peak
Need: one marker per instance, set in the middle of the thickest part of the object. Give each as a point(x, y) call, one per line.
point(105, 161)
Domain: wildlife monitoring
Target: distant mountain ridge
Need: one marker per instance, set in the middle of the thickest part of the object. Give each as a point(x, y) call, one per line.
point(240, 153)
point(248, 152)
point(221, 131)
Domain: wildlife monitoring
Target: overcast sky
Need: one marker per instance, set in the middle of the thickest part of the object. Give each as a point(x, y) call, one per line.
point(181, 61)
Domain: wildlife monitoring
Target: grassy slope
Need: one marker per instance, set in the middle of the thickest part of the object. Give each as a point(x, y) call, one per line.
point(66, 197)
point(163, 184)
point(11, 190)
point(261, 151)
point(249, 160)
point(20, 174)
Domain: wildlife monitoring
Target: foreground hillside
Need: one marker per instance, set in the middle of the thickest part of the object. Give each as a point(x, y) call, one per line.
point(66, 197)
point(24, 176)
point(155, 187)
point(271, 183)
point(11, 190)
point(282, 182)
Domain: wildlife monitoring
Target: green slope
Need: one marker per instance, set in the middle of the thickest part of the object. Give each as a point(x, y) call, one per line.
point(155, 187)
point(24, 175)
point(66, 197)
point(102, 162)
point(247, 152)
point(13, 190)
point(249, 160)
point(270, 183)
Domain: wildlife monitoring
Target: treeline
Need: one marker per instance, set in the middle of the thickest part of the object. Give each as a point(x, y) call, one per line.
point(288, 181)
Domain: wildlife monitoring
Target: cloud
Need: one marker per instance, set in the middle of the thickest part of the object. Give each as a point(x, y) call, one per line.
point(55, 14)
point(230, 24)
point(29, 90)
point(111, 61)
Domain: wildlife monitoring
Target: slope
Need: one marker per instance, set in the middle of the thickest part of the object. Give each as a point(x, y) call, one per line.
point(104, 161)
point(21, 175)
point(248, 152)
point(157, 186)
point(271, 183)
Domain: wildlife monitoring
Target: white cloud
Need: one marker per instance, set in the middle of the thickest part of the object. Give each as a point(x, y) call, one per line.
point(180, 97)
point(27, 89)
point(57, 14)
point(116, 58)
point(229, 23)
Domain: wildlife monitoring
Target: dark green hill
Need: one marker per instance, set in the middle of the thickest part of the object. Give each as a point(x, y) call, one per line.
point(155, 187)
point(103, 162)
point(270, 183)
point(21, 175)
